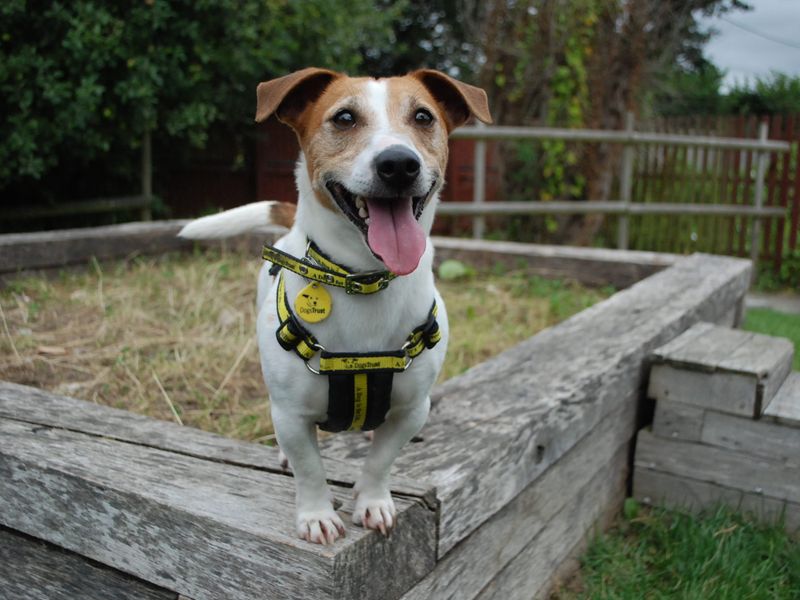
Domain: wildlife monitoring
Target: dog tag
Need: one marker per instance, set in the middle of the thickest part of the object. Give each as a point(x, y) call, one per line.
point(313, 303)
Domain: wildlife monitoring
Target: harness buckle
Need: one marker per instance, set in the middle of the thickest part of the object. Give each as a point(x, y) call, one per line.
point(354, 282)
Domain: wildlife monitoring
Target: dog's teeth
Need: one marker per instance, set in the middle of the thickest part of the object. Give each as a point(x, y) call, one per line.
point(362, 212)
point(359, 202)
point(366, 220)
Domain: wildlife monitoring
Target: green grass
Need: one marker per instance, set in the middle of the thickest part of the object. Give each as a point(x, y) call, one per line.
point(771, 322)
point(655, 554)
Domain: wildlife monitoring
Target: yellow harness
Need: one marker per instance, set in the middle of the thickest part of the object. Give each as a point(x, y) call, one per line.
point(359, 384)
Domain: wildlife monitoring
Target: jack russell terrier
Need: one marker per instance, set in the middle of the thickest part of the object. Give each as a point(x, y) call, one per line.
point(351, 329)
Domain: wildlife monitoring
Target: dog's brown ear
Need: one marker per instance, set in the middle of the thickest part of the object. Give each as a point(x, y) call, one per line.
point(288, 96)
point(458, 100)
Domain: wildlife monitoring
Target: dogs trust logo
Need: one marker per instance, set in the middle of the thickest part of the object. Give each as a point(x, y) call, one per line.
point(313, 303)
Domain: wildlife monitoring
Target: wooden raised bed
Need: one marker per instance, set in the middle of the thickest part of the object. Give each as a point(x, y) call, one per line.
point(521, 458)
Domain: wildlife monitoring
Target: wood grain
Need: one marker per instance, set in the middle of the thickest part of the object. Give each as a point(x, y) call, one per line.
point(530, 574)
point(785, 406)
point(475, 561)
point(500, 425)
point(664, 489)
point(31, 405)
point(678, 421)
point(201, 528)
point(49, 249)
point(726, 468)
point(590, 266)
point(31, 569)
point(758, 438)
point(722, 369)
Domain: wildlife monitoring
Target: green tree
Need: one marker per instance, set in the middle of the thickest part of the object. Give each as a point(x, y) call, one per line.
point(81, 81)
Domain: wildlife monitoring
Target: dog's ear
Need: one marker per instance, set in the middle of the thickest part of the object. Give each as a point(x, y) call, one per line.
point(288, 96)
point(458, 100)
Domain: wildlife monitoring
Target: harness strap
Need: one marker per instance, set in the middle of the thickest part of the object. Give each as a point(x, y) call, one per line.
point(359, 384)
point(327, 271)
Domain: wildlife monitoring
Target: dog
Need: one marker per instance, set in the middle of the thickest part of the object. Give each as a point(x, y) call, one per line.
point(353, 276)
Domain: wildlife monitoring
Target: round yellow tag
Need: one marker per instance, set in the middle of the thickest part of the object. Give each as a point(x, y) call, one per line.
point(313, 303)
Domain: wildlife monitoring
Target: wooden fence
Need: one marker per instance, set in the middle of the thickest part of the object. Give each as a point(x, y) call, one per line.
point(679, 189)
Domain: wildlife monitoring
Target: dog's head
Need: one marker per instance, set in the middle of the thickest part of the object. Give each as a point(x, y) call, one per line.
point(375, 149)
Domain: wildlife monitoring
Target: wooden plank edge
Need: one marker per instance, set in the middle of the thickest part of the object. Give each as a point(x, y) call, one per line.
point(590, 266)
point(465, 569)
point(676, 492)
point(530, 573)
point(32, 569)
point(38, 407)
point(225, 554)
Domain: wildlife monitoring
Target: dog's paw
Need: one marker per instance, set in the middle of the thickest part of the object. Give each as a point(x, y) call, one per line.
point(320, 526)
point(375, 512)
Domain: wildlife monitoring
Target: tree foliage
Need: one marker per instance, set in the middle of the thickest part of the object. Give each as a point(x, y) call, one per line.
point(83, 80)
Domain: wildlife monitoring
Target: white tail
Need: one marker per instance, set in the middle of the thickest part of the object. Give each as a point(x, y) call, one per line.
point(249, 218)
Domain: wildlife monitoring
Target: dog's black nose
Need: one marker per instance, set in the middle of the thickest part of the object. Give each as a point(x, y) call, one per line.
point(397, 166)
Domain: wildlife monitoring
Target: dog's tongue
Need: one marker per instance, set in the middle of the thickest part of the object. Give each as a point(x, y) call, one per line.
point(394, 234)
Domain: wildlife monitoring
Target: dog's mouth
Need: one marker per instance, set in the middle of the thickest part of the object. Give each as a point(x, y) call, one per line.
point(390, 225)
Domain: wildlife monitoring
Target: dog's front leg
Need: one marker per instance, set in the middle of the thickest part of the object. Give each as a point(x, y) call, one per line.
point(317, 521)
point(374, 507)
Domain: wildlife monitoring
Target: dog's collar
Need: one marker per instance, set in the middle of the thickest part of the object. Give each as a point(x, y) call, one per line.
point(326, 271)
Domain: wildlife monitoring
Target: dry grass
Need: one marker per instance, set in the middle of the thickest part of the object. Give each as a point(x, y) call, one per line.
point(173, 336)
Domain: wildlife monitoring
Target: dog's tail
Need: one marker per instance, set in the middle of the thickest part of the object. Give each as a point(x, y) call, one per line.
point(250, 218)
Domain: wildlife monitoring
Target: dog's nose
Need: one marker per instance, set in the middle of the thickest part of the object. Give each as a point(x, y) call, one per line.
point(397, 166)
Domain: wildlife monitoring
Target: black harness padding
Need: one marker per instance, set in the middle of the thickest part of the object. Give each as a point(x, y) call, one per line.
point(342, 401)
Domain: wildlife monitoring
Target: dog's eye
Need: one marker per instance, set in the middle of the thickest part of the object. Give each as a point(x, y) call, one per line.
point(423, 117)
point(344, 119)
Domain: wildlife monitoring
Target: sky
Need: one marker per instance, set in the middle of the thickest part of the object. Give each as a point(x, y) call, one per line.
point(742, 48)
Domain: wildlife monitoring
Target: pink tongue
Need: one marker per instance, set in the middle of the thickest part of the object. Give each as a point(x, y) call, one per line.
point(394, 234)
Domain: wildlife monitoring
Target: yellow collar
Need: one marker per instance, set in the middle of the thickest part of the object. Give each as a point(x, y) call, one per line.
point(328, 272)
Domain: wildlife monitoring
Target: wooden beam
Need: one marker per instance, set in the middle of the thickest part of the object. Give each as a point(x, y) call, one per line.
point(199, 527)
point(618, 207)
point(727, 370)
point(500, 425)
point(590, 469)
point(498, 132)
point(31, 569)
point(84, 207)
point(590, 266)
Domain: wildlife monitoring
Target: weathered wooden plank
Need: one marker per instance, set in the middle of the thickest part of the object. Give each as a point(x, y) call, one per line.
point(678, 421)
point(48, 249)
point(201, 528)
point(530, 574)
point(733, 393)
point(475, 561)
point(31, 405)
point(727, 468)
point(785, 406)
point(500, 425)
point(760, 438)
point(724, 369)
point(673, 491)
point(31, 569)
point(591, 266)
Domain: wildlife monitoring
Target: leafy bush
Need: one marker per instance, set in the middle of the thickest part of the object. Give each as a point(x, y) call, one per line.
point(83, 80)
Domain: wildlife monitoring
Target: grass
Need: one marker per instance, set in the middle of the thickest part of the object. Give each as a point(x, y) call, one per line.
point(655, 553)
point(772, 322)
point(173, 336)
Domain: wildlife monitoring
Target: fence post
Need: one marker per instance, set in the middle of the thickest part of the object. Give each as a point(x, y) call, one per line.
point(479, 185)
point(625, 184)
point(147, 176)
point(758, 197)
